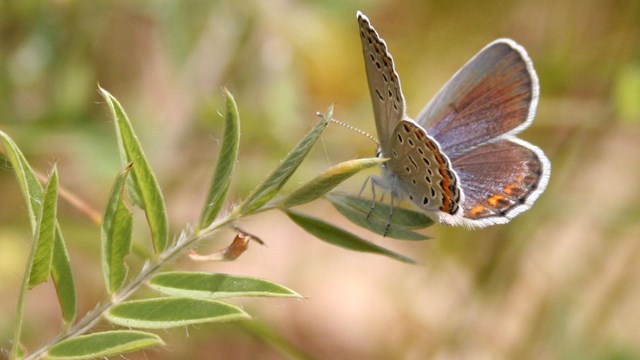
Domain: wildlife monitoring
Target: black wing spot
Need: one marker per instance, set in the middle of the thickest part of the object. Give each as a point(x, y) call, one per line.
point(425, 200)
point(379, 95)
point(413, 162)
point(410, 142)
point(433, 192)
point(428, 179)
point(400, 139)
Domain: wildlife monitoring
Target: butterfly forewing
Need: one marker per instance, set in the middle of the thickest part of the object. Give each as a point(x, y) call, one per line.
point(495, 93)
point(384, 84)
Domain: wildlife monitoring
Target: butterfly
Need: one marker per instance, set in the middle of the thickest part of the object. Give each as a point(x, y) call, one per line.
point(459, 160)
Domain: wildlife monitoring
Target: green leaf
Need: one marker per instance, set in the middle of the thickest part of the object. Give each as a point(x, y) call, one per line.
point(162, 313)
point(27, 179)
point(270, 187)
point(204, 285)
point(225, 165)
point(103, 344)
point(61, 267)
point(336, 236)
point(328, 180)
point(63, 279)
point(374, 222)
point(145, 191)
point(44, 241)
point(402, 217)
point(116, 233)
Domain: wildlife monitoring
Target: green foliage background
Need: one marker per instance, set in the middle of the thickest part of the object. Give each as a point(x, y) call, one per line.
point(560, 281)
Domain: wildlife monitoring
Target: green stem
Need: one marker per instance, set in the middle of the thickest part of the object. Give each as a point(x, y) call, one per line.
point(21, 303)
point(92, 318)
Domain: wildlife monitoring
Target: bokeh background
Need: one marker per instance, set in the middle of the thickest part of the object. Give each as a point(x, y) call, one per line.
point(560, 281)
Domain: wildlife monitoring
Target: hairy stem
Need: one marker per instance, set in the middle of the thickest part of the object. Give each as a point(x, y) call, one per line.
point(149, 270)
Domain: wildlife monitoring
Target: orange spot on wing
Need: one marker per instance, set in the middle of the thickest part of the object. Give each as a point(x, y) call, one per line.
point(509, 189)
point(477, 210)
point(493, 200)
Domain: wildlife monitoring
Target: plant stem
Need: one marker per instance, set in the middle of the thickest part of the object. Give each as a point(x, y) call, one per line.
point(89, 320)
point(20, 310)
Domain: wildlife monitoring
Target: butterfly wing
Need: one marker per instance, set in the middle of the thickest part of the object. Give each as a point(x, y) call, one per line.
point(494, 94)
point(424, 173)
point(384, 83)
point(500, 180)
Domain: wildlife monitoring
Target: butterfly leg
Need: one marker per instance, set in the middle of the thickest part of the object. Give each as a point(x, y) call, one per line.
point(379, 182)
point(388, 226)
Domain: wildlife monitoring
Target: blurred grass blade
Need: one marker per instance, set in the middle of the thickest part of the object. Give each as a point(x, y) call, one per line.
point(145, 192)
point(372, 222)
point(204, 285)
point(163, 313)
point(270, 187)
point(336, 236)
point(115, 234)
point(225, 164)
point(328, 180)
point(102, 345)
point(273, 338)
point(44, 240)
point(407, 218)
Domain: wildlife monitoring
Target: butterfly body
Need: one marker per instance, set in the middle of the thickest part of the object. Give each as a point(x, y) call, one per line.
point(459, 160)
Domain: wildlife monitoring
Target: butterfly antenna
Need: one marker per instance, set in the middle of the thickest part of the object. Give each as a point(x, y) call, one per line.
point(353, 128)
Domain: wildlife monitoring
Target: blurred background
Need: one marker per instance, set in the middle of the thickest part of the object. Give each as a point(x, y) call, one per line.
point(560, 281)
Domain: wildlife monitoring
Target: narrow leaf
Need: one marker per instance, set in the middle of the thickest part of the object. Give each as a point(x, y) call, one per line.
point(162, 313)
point(116, 235)
point(225, 164)
point(27, 179)
point(336, 236)
point(204, 285)
point(61, 267)
point(143, 184)
point(402, 217)
point(270, 187)
point(44, 241)
point(374, 223)
point(328, 180)
point(63, 279)
point(103, 344)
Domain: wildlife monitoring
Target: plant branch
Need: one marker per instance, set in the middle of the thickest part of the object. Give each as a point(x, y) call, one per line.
point(148, 271)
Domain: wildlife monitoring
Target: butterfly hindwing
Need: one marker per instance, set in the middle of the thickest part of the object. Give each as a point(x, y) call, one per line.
point(518, 174)
point(423, 170)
